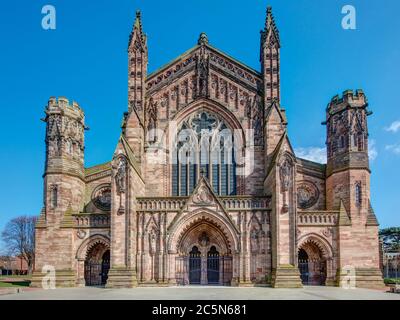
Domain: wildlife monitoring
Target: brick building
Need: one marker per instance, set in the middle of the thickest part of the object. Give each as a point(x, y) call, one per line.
point(204, 186)
point(13, 266)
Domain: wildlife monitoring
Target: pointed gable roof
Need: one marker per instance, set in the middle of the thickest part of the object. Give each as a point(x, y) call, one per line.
point(203, 42)
point(274, 106)
point(203, 196)
point(284, 141)
point(124, 148)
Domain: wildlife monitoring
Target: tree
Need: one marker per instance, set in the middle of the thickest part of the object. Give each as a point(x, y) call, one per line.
point(391, 239)
point(19, 238)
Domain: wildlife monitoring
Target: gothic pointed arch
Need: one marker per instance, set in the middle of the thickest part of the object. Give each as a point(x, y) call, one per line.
point(207, 144)
point(318, 241)
point(203, 216)
point(90, 243)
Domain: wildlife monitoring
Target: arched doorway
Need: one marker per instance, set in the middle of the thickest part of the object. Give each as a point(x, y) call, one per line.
point(312, 264)
point(194, 266)
point(97, 265)
point(213, 261)
point(203, 254)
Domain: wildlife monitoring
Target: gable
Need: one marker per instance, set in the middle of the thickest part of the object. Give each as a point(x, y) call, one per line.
point(203, 198)
point(219, 63)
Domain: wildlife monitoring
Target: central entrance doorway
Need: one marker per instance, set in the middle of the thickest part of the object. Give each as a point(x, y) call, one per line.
point(204, 255)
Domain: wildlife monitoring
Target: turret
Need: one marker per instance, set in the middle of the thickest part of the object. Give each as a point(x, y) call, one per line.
point(348, 189)
point(347, 150)
point(64, 190)
point(347, 131)
point(64, 167)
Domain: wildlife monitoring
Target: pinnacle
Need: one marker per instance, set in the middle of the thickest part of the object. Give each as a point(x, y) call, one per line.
point(138, 18)
point(203, 39)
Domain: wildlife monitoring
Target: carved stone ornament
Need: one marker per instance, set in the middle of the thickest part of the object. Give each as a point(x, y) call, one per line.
point(204, 240)
point(120, 176)
point(101, 197)
point(152, 241)
point(254, 240)
point(327, 232)
point(202, 196)
point(202, 74)
point(307, 194)
point(285, 174)
point(81, 234)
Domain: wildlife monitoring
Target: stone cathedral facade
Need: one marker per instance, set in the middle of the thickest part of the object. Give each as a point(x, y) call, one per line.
point(204, 186)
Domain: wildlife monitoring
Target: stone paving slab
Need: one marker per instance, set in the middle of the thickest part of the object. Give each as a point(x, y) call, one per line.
point(203, 293)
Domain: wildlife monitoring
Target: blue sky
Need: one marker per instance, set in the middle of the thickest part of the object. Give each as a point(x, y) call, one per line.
point(85, 59)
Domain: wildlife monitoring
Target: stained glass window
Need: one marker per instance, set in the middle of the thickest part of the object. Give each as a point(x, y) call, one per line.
point(208, 147)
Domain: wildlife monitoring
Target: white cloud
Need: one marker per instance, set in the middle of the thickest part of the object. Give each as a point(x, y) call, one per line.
point(372, 151)
point(394, 127)
point(395, 148)
point(315, 154)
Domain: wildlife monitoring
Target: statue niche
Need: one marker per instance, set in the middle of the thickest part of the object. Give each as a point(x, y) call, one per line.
point(121, 182)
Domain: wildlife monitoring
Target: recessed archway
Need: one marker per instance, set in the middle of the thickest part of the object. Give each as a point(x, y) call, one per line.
point(205, 255)
point(312, 262)
point(93, 256)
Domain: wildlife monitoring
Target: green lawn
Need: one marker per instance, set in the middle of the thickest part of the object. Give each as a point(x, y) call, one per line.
point(15, 281)
point(15, 277)
point(14, 284)
point(392, 280)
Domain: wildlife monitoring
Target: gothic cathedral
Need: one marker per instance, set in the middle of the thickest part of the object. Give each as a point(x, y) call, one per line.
point(204, 186)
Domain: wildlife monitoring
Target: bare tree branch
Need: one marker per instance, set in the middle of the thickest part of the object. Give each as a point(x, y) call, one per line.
point(19, 238)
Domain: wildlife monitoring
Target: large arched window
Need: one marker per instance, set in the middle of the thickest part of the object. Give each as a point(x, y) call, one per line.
point(204, 146)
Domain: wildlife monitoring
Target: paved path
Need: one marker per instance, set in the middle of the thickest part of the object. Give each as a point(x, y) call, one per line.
point(203, 293)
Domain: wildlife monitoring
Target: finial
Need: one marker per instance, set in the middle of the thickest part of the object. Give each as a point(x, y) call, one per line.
point(138, 31)
point(138, 19)
point(203, 39)
point(270, 24)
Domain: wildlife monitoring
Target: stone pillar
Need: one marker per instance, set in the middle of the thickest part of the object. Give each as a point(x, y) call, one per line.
point(81, 273)
point(330, 275)
point(172, 267)
point(285, 272)
point(203, 279)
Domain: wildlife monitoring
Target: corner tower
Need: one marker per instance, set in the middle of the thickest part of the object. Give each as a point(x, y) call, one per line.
point(64, 190)
point(348, 189)
point(347, 151)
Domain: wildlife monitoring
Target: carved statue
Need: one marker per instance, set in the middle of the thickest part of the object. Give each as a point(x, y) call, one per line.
point(152, 241)
point(202, 75)
point(203, 196)
point(120, 176)
point(285, 173)
point(204, 240)
point(254, 246)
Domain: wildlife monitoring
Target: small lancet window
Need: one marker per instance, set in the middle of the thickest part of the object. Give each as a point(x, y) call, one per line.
point(358, 194)
point(342, 142)
point(54, 196)
point(360, 142)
